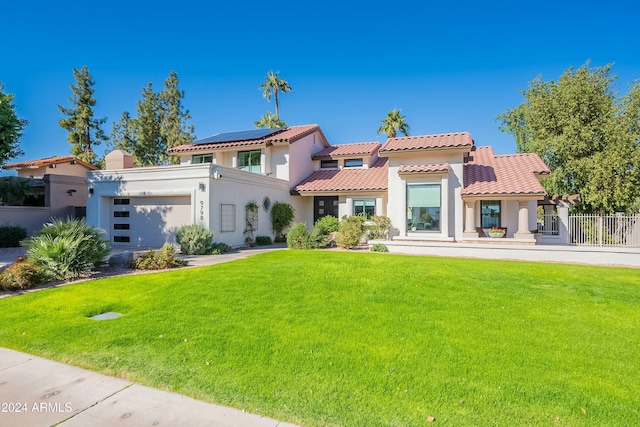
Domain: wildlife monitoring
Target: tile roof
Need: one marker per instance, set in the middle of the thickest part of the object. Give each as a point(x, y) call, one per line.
point(404, 169)
point(288, 135)
point(427, 142)
point(371, 179)
point(358, 148)
point(488, 174)
point(49, 161)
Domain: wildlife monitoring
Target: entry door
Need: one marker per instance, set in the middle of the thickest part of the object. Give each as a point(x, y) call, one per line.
point(323, 206)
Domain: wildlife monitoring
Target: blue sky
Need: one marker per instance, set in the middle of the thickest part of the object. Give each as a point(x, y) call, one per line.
point(448, 67)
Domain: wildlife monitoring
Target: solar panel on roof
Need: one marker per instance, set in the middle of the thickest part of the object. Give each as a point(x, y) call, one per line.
point(246, 135)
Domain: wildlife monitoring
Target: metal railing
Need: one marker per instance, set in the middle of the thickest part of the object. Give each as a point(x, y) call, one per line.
point(608, 230)
point(548, 224)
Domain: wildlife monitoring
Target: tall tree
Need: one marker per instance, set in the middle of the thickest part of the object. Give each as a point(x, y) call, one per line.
point(11, 127)
point(587, 135)
point(269, 121)
point(173, 117)
point(160, 124)
point(84, 130)
point(393, 123)
point(273, 85)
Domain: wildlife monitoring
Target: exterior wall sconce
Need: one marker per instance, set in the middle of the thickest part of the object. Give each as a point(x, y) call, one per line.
point(90, 191)
point(70, 192)
point(202, 186)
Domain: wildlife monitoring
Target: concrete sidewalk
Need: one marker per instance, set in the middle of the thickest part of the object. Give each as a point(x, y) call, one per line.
point(38, 392)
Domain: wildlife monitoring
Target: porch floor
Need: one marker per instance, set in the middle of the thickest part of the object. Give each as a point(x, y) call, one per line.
point(624, 257)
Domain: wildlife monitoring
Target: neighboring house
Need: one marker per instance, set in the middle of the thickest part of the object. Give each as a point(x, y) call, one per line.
point(432, 187)
point(62, 191)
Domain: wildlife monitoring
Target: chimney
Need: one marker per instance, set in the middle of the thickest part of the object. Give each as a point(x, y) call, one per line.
point(118, 159)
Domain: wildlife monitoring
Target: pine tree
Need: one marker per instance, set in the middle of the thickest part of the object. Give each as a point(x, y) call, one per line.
point(173, 118)
point(84, 130)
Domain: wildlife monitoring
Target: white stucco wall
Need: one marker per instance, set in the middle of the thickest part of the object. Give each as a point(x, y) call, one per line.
point(207, 185)
point(300, 152)
point(451, 213)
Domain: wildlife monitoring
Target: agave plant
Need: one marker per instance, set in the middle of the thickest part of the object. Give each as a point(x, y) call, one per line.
point(66, 249)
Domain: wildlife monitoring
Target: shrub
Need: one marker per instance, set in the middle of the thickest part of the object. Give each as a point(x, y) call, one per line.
point(282, 215)
point(327, 224)
point(66, 249)
point(219, 248)
point(319, 234)
point(379, 247)
point(298, 237)
point(263, 240)
point(11, 235)
point(380, 229)
point(159, 260)
point(22, 274)
point(350, 231)
point(194, 239)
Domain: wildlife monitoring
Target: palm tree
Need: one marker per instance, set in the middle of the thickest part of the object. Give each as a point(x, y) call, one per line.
point(394, 122)
point(269, 121)
point(272, 85)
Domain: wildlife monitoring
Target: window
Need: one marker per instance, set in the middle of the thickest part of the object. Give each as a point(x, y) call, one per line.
point(328, 164)
point(227, 218)
point(121, 226)
point(249, 161)
point(121, 214)
point(353, 163)
point(121, 239)
point(202, 158)
point(490, 213)
point(121, 201)
point(366, 207)
point(423, 207)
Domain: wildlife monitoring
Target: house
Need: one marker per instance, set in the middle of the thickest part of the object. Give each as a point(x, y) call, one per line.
point(432, 187)
point(60, 191)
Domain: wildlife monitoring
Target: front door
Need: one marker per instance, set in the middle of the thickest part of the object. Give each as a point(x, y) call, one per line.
point(323, 206)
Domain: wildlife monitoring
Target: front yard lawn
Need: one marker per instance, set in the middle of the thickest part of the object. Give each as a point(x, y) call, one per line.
point(359, 339)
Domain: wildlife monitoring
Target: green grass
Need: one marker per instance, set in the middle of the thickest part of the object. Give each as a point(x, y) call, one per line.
point(360, 339)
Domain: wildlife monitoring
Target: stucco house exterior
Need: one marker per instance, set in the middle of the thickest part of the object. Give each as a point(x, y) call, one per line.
point(61, 186)
point(432, 187)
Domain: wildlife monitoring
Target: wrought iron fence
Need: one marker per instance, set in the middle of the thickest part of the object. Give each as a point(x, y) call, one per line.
point(610, 230)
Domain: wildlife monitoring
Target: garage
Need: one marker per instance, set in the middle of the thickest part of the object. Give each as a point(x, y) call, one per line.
point(148, 221)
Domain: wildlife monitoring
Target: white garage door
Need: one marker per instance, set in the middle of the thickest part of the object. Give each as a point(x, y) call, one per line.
point(148, 221)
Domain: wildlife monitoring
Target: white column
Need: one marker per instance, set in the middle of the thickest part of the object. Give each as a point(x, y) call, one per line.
point(469, 220)
point(523, 221)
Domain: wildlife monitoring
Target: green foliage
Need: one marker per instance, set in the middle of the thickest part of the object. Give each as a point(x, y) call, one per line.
point(379, 247)
point(14, 190)
point(219, 248)
point(393, 123)
point(298, 237)
point(269, 121)
point(350, 231)
point(327, 224)
point(83, 129)
point(161, 124)
point(159, 260)
point(194, 239)
point(263, 240)
point(380, 229)
point(273, 85)
point(22, 274)
point(68, 249)
point(585, 133)
point(11, 127)
point(11, 235)
point(282, 215)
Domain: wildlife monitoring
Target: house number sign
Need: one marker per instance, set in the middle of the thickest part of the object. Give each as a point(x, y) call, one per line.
point(201, 210)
